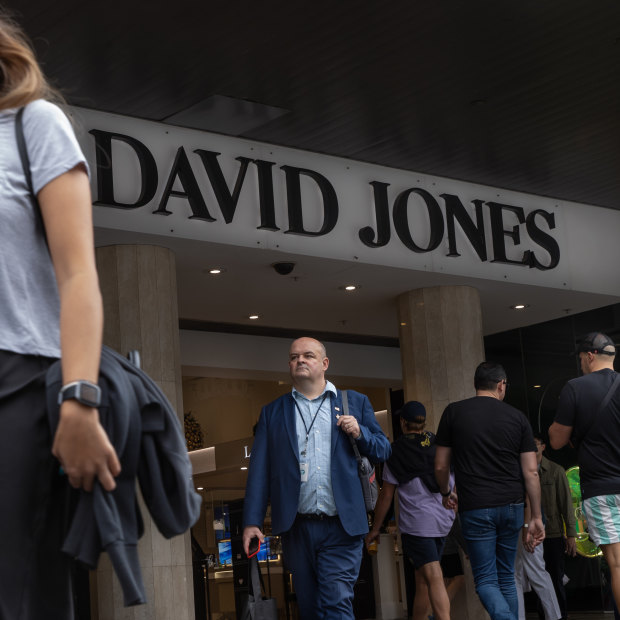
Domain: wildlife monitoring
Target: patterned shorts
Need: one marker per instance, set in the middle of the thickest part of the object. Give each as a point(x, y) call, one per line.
point(603, 517)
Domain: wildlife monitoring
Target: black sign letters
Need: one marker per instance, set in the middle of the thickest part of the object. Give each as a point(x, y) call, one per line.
point(508, 224)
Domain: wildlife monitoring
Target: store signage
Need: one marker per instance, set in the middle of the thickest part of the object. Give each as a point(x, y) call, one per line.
point(497, 232)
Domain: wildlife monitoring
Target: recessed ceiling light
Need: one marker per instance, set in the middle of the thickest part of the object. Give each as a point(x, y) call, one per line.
point(403, 324)
point(200, 489)
point(243, 468)
point(350, 287)
point(253, 317)
point(519, 306)
point(536, 386)
point(215, 271)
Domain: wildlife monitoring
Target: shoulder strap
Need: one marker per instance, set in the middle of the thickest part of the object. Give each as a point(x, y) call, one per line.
point(23, 150)
point(345, 408)
point(23, 155)
point(610, 392)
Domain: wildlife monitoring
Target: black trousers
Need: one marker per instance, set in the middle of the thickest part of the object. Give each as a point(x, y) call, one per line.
point(554, 563)
point(35, 578)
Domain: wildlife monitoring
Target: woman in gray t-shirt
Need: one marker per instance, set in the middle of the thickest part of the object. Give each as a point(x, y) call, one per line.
point(51, 307)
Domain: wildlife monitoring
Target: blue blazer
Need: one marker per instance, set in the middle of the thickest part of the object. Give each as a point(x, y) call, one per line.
point(274, 464)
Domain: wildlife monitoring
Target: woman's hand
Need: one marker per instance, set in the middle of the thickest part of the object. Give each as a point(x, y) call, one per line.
point(83, 448)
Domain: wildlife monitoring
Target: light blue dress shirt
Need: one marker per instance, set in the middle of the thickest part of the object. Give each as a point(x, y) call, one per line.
point(316, 494)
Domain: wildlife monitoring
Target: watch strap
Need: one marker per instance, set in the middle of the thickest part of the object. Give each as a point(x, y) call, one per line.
point(85, 392)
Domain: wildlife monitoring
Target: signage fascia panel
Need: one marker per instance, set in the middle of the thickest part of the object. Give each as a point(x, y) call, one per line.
point(358, 188)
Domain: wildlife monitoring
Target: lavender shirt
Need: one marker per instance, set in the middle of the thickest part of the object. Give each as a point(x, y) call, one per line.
point(421, 512)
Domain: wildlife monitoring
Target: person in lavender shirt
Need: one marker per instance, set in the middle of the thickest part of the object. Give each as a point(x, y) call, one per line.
point(423, 521)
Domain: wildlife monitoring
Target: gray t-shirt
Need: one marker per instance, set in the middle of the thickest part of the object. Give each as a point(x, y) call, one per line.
point(29, 305)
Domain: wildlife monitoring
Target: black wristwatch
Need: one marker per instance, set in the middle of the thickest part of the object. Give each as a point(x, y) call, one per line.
point(84, 392)
point(446, 494)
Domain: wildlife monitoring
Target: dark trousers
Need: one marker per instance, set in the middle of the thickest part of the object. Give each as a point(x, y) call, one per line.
point(34, 574)
point(554, 563)
point(325, 562)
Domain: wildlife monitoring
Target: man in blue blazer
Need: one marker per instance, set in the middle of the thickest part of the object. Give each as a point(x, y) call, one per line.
point(302, 461)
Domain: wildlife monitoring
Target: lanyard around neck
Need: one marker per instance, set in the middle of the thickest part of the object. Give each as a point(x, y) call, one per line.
point(301, 415)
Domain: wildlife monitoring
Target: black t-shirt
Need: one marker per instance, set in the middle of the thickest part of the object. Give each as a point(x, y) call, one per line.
point(487, 437)
point(598, 443)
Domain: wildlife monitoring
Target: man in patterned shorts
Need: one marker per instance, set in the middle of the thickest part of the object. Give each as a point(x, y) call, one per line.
point(588, 415)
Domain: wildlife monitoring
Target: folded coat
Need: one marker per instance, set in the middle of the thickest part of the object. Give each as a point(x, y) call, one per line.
point(147, 436)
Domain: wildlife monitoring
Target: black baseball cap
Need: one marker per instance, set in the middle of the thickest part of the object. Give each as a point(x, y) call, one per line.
point(597, 342)
point(413, 411)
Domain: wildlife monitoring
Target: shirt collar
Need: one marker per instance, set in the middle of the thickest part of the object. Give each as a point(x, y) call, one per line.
point(329, 387)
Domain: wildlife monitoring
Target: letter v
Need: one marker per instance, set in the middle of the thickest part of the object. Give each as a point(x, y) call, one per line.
point(226, 199)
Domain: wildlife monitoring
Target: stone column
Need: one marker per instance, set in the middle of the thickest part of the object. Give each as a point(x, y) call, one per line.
point(441, 345)
point(138, 284)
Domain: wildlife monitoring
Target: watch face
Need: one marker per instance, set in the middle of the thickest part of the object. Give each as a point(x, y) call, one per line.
point(89, 392)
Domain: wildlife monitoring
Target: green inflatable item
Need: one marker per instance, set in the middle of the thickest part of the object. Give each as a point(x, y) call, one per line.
point(585, 546)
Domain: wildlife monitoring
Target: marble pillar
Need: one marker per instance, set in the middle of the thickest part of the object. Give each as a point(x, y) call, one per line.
point(440, 331)
point(138, 284)
point(441, 345)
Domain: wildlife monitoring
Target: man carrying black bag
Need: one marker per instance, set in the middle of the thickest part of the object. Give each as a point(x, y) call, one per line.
point(303, 462)
point(588, 415)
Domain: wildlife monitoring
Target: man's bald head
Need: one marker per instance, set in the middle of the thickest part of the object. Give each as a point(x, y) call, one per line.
point(307, 361)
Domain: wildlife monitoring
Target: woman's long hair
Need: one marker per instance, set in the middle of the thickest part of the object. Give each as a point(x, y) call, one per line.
point(21, 78)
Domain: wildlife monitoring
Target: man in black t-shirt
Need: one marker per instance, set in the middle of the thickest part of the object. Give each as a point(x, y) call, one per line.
point(593, 426)
point(492, 448)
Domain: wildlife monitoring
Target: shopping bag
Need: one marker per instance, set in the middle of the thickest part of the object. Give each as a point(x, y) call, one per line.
point(258, 607)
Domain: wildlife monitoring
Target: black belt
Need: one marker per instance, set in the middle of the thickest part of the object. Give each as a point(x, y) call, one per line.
point(316, 516)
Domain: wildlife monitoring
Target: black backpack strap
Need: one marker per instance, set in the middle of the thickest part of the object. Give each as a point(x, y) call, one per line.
point(23, 155)
point(23, 150)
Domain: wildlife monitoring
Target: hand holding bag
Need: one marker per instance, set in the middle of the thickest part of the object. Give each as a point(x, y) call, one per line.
point(258, 607)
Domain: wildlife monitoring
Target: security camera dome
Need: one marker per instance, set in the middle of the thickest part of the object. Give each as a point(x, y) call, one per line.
point(283, 268)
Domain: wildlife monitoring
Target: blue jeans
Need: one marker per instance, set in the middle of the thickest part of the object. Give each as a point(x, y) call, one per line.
point(492, 535)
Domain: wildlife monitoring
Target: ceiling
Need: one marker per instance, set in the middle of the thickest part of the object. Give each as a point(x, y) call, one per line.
point(522, 96)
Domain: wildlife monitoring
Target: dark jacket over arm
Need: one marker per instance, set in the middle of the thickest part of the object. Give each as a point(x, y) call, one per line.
point(146, 434)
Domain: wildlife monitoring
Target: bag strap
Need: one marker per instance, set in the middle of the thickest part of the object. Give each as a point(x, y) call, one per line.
point(23, 155)
point(23, 150)
point(345, 408)
point(256, 579)
point(610, 392)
